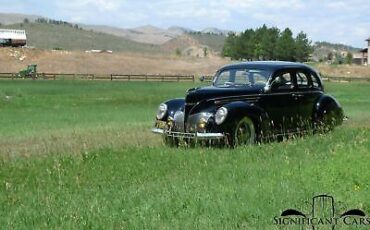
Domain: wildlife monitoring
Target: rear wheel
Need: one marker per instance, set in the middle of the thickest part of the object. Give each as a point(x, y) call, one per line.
point(244, 133)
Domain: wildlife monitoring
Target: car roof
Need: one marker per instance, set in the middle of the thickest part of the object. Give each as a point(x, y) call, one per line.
point(268, 65)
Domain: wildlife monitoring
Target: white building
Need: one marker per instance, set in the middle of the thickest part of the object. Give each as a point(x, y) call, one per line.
point(9, 37)
point(362, 56)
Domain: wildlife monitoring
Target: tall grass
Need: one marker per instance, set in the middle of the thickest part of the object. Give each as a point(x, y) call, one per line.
point(122, 177)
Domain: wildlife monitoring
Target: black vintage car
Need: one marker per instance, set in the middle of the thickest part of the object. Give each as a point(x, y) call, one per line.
point(250, 102)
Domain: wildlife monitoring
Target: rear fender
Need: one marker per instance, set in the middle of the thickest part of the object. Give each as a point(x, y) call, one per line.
point(326, 104)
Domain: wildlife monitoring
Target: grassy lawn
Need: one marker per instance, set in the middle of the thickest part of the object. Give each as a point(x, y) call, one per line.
point(80, 155)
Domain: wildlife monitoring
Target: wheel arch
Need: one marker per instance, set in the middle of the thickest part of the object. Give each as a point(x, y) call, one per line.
point(173, 105)
point(325, 104)
point(239, 109)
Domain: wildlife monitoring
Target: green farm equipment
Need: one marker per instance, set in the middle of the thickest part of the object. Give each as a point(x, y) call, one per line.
point(29, 72)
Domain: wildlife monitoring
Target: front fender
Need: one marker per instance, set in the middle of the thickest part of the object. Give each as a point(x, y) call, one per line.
point(173, 105)
point(240, 109)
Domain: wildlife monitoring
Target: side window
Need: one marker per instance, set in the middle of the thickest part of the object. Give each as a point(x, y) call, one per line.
point(259, 78)
point(224, 77)
point(315, 81)
point(283, 81)
point(241, 77)
point(303, 79)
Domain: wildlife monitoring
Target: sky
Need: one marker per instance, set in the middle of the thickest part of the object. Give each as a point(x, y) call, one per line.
point(346, 22)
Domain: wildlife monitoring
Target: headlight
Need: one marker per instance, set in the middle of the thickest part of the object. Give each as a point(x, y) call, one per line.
point(202, 123)
point(221, 115)
point(162, 110)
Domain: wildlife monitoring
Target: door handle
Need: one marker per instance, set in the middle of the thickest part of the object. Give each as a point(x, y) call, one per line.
point(295, 95)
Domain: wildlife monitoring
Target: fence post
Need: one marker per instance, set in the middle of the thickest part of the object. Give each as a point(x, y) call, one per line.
point(54, 76)
point(193, 77)
point(111, 77)
point(12, 76)
point(146, 77)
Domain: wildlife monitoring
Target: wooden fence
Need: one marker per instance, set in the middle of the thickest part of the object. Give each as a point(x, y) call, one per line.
point(109, 77)
point(150, 77)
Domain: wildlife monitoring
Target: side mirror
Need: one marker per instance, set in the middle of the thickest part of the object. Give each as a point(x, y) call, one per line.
point(202, 78)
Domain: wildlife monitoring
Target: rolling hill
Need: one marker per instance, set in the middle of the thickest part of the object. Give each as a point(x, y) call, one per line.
point(214, 41)
point(322, 49)
point(50, 36)
point(144, 34)
point(8, 19)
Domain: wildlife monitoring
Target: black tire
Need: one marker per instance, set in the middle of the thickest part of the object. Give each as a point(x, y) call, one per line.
point(244, 133)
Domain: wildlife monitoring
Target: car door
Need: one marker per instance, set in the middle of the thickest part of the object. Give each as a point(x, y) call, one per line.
point(308, 91)
point(280, 103)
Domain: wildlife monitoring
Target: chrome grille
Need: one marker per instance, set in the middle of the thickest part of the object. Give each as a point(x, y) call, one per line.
point(178, 121)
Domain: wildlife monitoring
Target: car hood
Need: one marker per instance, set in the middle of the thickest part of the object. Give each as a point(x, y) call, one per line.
point(210, 92)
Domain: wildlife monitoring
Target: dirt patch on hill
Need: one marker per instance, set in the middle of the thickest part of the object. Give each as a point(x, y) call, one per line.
point(14, 59)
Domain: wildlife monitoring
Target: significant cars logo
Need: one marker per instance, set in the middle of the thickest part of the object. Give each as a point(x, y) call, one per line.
point(322, 216)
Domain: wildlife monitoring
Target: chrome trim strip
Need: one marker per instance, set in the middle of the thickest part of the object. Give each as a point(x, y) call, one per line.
point(210, 135)
point(189, 135)
point(258, 96)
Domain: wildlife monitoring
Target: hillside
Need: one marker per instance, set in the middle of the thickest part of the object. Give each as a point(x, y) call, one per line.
point(322, 49)
point(64, 37)
point(214, 41)
point(8, 19)
point(49, 36)
point(144, 34)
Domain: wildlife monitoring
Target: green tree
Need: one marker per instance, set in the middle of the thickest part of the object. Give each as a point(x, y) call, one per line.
point(260, 41)
point(303, 47)
point(205, 52)
point(285, 46)
point(330, 56)
point(349, 58)
point(178, 52)
point(245, 45)
point(229, 49)
point(25, 21)
point(267, 44)
point(338, 59)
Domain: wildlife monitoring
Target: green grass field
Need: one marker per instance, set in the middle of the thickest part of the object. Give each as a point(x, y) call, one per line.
point(79, 154)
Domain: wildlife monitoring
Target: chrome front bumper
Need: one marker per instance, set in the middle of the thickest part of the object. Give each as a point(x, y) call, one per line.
point(201, 136)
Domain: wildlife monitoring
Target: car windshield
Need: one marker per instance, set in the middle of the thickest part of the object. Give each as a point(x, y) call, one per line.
point(241, 77)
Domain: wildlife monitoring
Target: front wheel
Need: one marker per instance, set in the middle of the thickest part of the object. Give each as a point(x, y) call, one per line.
point(244, 133)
